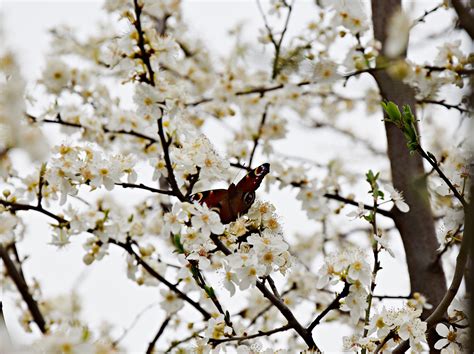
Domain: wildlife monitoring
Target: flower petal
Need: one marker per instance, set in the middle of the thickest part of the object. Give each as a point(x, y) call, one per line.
point(442, 329)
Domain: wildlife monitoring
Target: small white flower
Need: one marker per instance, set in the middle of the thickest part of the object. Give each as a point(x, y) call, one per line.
point(207, 221)
point(230, 279)
point(325, 71)
point(360, 270)
point(217, 328)
point(148, 101)
point(60, 237)
point(358, 213)
point(448, 342)
point(175, 219)
point(56, 75)
point(171, 303)
point(397, 198)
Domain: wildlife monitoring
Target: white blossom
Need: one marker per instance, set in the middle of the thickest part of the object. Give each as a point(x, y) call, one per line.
point(397, 198)
point(171, 303)
point(206, 220)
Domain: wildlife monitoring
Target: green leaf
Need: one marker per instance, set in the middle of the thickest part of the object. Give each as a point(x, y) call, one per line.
point(209, 291)
point(392, 111)
point(177, 243)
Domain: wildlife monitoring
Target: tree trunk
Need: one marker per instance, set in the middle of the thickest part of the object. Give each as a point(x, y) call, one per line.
point(416, 227)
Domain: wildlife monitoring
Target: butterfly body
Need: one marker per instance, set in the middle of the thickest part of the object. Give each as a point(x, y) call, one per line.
point(237, 199)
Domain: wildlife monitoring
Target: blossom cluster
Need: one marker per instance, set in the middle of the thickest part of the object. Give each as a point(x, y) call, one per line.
point(256, 241)
point(95, 169)
point(348, 266)
point(405, 323)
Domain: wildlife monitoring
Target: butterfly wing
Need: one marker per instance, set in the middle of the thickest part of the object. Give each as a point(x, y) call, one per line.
point(242, 196)
point(212, 198)
point(235, 201)
point(216, 200)
point(253, 179)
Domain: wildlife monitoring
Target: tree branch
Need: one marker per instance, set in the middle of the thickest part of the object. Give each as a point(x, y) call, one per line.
point(169, 166)
point(334, 305)
point(466, 19)
point(162, 328)
point(215, 342)
point(284, 310)
point(144, 55)
point(144, 187)
point(446, 105)
point(128, 248)
point(14, 207)
point(23, 290)
point(459, 269)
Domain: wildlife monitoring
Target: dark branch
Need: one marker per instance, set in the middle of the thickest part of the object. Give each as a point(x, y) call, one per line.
point(147, 188)
point(23, 289)
point(446, 105)
point(14, 207)
point(144, 55)
point(128, 248)
point(334, 305)
point(162, 328)
point(215, 342)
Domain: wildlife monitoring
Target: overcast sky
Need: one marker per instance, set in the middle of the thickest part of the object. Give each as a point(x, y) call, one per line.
point(26, 25)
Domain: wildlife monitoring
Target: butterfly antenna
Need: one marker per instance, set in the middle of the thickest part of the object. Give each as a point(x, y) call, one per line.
point(235, 176)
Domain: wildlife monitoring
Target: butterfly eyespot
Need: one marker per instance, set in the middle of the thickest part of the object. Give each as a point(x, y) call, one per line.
point(249, 197)
point(196, 197)
point(262, 169)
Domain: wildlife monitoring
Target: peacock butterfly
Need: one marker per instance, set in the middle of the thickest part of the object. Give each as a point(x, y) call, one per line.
point(237, 199)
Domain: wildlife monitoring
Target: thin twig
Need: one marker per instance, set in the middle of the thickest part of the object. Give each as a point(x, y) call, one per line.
point(425, 14)
point(144, 55)
point(165, 144)
point(14, 207)
point(339, 198)
point(162, 328)
point(215, 342)
point(209, 291)
point(128, 247)
point(147, 188)
point(270, 305)
point(446, 105)
point(376, 267)
point(174, 344)
point(104, 128)
point(127, 330)
point(259, 134)
point(352, 136)
point(432, 161)
point(334, 305)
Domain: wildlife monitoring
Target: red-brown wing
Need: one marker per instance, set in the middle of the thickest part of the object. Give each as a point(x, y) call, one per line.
point(217, 200)
point(212, 198)
point(253, 179)
point(235, 201)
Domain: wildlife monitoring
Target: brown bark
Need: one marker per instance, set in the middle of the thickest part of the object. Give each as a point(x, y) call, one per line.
point(416, 227)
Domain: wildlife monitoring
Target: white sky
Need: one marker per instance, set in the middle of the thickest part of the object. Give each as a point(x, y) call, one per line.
point(106, 291)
